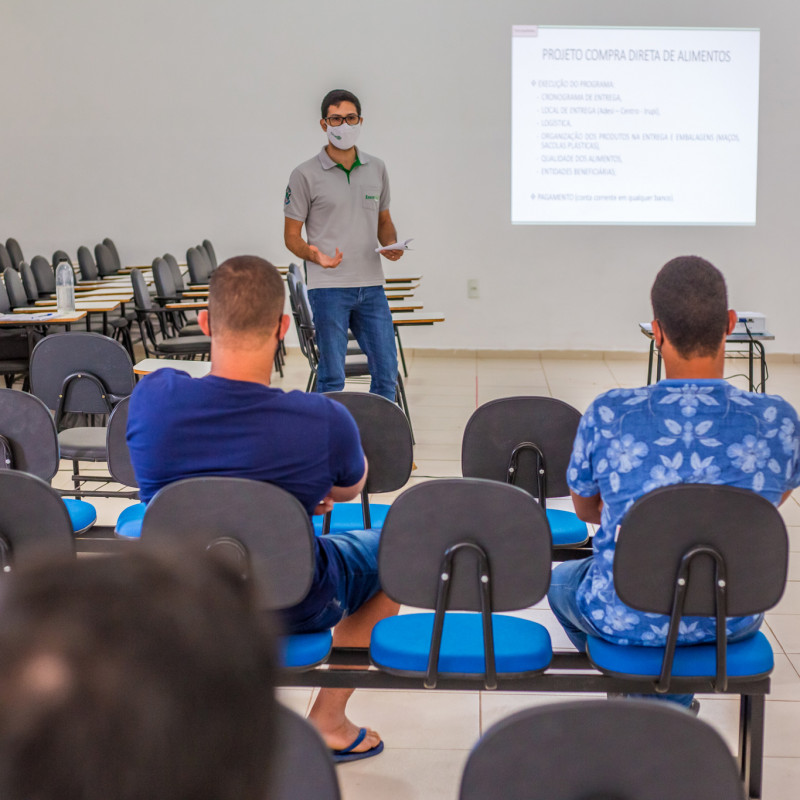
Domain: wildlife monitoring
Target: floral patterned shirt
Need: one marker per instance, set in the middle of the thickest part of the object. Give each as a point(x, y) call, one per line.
point(631, 441)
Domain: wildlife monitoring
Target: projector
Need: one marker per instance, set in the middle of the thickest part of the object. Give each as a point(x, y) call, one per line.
point(751, 322)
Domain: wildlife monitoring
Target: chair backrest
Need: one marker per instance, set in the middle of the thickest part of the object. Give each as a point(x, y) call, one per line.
point(58, 256)
point(5, 303)
point(88, 267)
point(28, 282)
point(15, 252)
point(177, 277)
point(34, 522)
point(81, 372)
point(497, 428)
point(29, 427)
point(106, 265)
point(296, 270)
point(629, 750)
point(119, 457)
point(662, 526)
point(141, 297)
point(44, 275)
point(16, 291)
point(199, 266)
point(303, 767)
point(212, 256)
point(5, 259)
point(262, 528)
point(162, 275)
point(428, 519)
point(385, 437)
point(109, 243)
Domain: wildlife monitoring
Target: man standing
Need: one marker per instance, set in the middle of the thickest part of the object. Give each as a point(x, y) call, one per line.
point(341, 195)
point(692, 427)
point(233, 423)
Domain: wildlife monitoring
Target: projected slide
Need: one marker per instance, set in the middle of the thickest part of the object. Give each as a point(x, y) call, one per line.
point(632, 126)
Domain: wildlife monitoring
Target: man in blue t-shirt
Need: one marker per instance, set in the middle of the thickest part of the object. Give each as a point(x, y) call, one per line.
point(232, 422)
point(692, 427)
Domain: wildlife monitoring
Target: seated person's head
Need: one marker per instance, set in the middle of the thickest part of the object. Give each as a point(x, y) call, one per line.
point(126, 678)
point(690, 305)
point(245, 303)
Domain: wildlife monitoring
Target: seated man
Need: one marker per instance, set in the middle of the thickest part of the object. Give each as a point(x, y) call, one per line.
point(692, 427)
point(132, 677)
point(233, 423)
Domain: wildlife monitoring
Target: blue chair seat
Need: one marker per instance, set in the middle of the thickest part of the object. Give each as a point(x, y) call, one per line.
point(129, 522)
point(305, 650)
point(349, 517)
point(82, 514)
point(747, 658)
point(402, 644)
point(566, 528)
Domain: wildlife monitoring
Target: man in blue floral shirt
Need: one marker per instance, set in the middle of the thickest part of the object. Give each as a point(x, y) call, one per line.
point(692, 427)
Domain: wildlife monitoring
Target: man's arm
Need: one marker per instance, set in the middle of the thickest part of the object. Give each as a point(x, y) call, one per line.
point(341, 494)
point(296, 244)
point(387, 234)
point(588, 509)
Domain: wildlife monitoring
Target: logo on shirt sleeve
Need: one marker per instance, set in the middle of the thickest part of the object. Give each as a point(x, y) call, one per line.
point(288, 196)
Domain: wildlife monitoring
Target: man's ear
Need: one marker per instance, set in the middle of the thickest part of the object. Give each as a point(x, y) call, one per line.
point(733, 318)
point(323, 125)
point(284, 326)
point(658, 334)
point(203, 321)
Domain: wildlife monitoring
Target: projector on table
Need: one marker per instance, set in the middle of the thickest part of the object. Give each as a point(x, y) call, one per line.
point(751, 322)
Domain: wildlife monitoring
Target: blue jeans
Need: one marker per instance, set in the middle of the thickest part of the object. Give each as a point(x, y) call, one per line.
point(563, 599)
point(365, 311)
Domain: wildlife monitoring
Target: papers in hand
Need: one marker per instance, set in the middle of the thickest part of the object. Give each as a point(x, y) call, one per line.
point(396, 246)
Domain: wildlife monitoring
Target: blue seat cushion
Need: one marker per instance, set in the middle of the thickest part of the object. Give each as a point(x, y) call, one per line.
point(751, 656)
point(349, 517)
point(566, 528)
point(129, 522)
point(82, 514)
point(305, 649)
point(402, 644)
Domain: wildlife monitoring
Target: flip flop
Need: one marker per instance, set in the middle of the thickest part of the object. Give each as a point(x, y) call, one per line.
point(347, 754)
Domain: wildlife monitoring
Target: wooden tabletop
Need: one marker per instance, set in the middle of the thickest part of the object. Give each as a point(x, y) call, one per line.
point(37, 316)
point(197, 369)
point(418, 318)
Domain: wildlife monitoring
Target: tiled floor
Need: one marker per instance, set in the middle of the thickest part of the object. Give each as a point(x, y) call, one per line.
point(428, 736)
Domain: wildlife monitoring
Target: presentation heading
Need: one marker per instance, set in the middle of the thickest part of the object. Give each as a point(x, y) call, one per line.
point(612, 54)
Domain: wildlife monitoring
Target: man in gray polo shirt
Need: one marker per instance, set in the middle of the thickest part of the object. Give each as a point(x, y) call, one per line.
point(341, 195)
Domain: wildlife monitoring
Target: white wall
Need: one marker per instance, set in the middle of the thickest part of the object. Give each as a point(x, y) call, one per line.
point(162, 122)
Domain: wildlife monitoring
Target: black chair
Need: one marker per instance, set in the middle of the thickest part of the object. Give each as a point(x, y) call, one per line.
point(455, 545)
point(168, 292)
point(14, 345)
point(527, 441)
point(174, 268)
point(6, 262)
point(709, 551)
point(611, 750)
point(212, 256)
point(28, 282)
point(14, 252)
point(200, 268)
point(34, 523)
point(87, 374)
point(16, 291)
point(129, 521)
point(87, 265)
point(386, 440)
point(28, 427)
point(168, 345)
point(44, 276)
point(109, 243)
point(59, 256)
point(302, 763)
point(106, 264)
point(265, 532)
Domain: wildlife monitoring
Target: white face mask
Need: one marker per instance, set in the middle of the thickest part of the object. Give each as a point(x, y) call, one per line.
point(343, 136)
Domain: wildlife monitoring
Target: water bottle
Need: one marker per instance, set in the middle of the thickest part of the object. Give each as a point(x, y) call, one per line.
point(65, 288)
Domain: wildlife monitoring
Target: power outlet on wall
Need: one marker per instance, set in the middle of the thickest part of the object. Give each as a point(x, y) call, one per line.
point(473, 290)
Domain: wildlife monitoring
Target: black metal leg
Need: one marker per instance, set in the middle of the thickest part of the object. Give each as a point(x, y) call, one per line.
point(400, 350)
point(751, 742)
point(658, 368)
point(650, 362)
point(750, 365)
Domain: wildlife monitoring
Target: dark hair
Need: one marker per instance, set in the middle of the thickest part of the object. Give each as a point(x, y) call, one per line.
point(337, 96)
point(690, 302)
point(130, 676)
point(245, 295)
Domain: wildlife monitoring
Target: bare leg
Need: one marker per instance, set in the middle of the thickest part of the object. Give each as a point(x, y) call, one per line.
point(328, 712)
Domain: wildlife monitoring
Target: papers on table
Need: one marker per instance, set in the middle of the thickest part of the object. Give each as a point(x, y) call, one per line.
point(36, 317)
point(396, 246)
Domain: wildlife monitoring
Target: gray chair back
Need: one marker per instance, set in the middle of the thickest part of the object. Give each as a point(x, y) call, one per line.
point(303, 767)
point(212, 256)
point(34, 522)
point(58, 256)
point(496, 428)
point(109, 243)
point(106, 265)
point(629, 750)
point(428, 519)
point(199, 266)
point(5, 259)
point(80, 372)
point(15, 252)
point(262, 528)
point(88, 267)
point(29, 427)
point(119, 457)
point(141, 297)
point(162, 276)
point(44, 275)
point(662, 526)
point(177, 277)
point(28, 282)
point(385, 438)
point(5, 303)
point(16, 291)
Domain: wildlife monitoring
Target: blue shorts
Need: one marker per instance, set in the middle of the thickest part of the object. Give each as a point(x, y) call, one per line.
point(356, 559)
